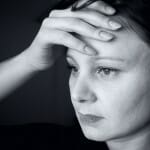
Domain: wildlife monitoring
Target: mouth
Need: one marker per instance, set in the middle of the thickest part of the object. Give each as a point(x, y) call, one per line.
point(89, 118)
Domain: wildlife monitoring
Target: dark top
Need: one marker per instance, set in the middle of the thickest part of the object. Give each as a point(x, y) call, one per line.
point(46, 137)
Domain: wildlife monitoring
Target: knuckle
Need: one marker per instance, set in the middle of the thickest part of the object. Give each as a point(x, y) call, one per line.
point(68, 40)
point(103, 20)
point(103, 7)
point(64, 36)
point(45, 21)
point(53, 13)
point(95, 15)
point(75, 22)
point(97, 3)
point(79, 22)
point(81, 45)
point(101, 16)
point(97, 32)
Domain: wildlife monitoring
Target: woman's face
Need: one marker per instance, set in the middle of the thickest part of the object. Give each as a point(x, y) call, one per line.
point(110, 92)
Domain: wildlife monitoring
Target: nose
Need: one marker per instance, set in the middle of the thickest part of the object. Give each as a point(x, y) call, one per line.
point(82, 92)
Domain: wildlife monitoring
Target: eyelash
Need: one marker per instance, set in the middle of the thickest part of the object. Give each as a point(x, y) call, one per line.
point(71, 68)
point(106, 70)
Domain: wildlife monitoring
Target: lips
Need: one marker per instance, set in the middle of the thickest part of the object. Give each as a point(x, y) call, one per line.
point(89, 118)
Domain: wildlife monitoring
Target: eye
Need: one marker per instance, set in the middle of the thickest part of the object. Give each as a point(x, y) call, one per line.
point(107, 72)
point(72, 68)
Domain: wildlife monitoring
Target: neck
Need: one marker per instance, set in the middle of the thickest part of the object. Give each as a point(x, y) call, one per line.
point(140, 141)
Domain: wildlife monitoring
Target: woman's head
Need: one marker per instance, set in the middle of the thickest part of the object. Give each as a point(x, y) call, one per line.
point(111, 91)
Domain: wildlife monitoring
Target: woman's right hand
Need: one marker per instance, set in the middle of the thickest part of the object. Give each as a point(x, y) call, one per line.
point(57, 29)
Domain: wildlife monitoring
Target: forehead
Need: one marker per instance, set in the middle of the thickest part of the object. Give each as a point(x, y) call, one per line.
point(127, 45)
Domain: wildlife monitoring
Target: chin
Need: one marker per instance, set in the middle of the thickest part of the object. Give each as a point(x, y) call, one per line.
point(101, 134)
point(94, 134)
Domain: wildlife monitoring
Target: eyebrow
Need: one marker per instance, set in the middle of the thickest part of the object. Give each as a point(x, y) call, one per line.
point(101, 58)
point(110, 58)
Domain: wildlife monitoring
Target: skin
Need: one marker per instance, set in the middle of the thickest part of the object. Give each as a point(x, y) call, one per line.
point(119, 93)
point(55, 30)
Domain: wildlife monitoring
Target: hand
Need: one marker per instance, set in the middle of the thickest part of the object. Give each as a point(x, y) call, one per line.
point(57, 29)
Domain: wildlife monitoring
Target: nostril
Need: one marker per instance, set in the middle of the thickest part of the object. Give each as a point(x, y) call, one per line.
point(84, 97)
point(82, 92)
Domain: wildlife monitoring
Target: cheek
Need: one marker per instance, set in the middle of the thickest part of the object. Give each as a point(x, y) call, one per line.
point(71, 83)
point(126, 102)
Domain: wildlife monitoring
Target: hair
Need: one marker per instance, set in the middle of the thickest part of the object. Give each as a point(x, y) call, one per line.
point(138, 11)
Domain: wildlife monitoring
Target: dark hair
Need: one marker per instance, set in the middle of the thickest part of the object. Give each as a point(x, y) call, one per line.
point(137, 11)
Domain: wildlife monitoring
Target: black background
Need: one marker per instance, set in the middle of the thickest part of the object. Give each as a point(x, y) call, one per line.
point(38, 115)
point(45, 98)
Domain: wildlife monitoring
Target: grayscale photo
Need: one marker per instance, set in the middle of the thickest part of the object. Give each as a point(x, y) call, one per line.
point(75, 74)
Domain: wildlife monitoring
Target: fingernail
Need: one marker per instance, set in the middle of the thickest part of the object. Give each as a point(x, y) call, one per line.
point(115, 25)
point(105, 35)
point(110, 10)
point(89, 51)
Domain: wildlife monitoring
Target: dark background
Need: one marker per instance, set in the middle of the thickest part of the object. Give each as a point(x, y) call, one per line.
point(45, 98)
point(38, 115)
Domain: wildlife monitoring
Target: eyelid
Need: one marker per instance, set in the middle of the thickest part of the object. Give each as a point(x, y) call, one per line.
point(112, 65)
point(71, 62)
point(71, 65)
point(111, 69)
point(107, 67)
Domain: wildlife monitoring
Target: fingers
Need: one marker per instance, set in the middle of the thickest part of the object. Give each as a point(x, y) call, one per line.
point(68, 40)
point(92, 17)
point(55, 36)
point(102, 7)
point(78, 26)
point(97, 19)
point(92, 22)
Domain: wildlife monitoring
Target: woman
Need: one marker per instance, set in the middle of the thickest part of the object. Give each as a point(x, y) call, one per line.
point(110, 92)
point(55, 29)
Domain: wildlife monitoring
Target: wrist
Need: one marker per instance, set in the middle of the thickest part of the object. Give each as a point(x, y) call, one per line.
point(36, 61)
point(24, 61)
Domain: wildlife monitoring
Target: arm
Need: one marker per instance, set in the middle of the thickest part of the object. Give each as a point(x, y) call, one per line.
point(13, 73)
point(41, 55)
